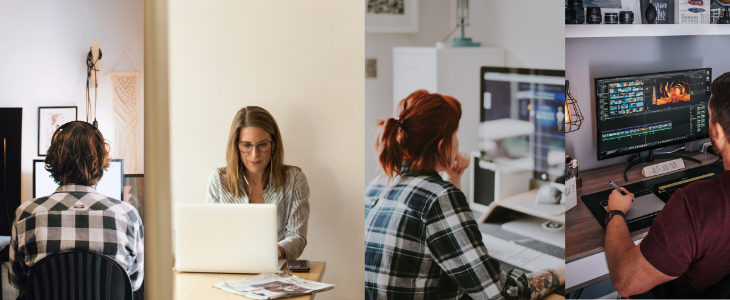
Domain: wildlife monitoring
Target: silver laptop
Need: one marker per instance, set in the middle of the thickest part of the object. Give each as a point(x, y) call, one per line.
point(645, 205)
point(226, 238)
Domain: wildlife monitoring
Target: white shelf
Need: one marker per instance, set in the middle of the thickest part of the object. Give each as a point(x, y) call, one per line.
point(626, 30)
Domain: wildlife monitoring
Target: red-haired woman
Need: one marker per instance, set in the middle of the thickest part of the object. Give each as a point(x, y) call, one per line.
point(421, 240)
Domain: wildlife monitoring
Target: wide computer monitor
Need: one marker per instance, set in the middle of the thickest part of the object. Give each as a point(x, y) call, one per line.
point(111, 183)
point(648, 111)
point(522, 119)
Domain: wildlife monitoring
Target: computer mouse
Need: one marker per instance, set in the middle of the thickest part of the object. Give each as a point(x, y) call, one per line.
point(548, 194)
point(553, 226)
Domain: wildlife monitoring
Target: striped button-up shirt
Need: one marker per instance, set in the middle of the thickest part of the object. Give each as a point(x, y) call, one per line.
point(76, 217)
point(292, 203)
point(421, 242)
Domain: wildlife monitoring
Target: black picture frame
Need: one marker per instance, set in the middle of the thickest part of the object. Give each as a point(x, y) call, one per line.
point(45, 134)
point(133, 192)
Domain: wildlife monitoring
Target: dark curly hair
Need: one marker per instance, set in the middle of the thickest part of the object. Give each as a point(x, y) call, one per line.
point(79, 154)
point(720, 102)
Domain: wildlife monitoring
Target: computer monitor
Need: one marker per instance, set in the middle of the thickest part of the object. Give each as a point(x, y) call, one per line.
point(523, 119)
point(636, 113)
point(488, 183)
point(11, 120)
point(111, 183)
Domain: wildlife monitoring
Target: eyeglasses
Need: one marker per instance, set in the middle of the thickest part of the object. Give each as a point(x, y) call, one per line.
point(246, 147)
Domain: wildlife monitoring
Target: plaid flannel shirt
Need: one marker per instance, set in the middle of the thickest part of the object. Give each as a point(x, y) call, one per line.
point(76, 217)
point(421, 242)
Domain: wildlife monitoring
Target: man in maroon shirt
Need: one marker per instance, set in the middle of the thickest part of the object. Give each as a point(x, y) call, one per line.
point(690, 238)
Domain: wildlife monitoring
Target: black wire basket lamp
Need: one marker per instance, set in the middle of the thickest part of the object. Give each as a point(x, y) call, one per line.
point(573, 116)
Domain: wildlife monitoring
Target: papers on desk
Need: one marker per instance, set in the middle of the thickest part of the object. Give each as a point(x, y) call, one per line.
point(273, 285)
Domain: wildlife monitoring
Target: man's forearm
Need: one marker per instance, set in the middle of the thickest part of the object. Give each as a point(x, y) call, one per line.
point(542, 283)
point(618, 243)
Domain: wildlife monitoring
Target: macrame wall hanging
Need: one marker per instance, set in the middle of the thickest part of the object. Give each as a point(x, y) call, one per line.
point(124, 85)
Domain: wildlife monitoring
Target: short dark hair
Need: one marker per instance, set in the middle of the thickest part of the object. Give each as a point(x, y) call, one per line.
point(720, 103)
point(78, 155)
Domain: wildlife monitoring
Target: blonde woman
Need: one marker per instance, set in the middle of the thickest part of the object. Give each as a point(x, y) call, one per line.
point(255, 173)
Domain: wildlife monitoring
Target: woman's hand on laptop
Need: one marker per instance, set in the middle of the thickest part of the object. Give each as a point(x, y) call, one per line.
point(616, 201)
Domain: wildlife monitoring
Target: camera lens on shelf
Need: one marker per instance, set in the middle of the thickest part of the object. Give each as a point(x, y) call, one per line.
point(569, 16)
point(574, 13)
point(611, 18)
point(626, 17)
point(593, 15)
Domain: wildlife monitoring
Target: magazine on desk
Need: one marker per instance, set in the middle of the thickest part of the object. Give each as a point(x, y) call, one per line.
point(273, 285)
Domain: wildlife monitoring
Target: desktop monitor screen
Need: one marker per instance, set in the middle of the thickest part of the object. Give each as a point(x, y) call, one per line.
point(11, 121)
point(483, 182)
point(523, 119)
point(644, 112)
point(110, 184)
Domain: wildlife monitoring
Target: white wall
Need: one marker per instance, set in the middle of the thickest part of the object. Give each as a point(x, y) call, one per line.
point(43, 47)
point(528, 30)
point(302, 61)
point(589, 58)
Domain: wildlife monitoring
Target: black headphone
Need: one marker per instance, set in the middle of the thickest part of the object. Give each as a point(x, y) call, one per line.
point(90, 63)
point(68, 124)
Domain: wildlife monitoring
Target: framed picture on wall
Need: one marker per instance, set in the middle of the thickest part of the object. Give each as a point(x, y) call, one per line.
point(134, 191)
point(391, 16)
point(49, 119)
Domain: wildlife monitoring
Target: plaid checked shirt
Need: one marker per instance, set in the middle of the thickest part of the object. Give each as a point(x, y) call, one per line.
point(76, 217)
point(421, 242)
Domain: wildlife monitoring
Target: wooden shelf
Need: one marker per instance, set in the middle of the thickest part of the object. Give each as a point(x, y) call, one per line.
point(627, 30)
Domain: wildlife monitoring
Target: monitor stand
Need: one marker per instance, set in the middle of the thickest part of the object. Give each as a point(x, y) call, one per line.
point(651, 158)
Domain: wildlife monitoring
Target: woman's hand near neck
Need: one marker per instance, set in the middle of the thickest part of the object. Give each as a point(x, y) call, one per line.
point(454, 172)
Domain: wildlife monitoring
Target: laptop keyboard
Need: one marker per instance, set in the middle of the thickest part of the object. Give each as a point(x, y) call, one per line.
point(517, 255)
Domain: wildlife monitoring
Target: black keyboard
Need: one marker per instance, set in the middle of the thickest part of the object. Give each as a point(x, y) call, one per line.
point(638, 194)
point(665, 190)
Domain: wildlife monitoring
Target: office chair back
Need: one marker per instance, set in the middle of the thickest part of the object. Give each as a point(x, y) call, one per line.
point(78, 275)
point(720, 290)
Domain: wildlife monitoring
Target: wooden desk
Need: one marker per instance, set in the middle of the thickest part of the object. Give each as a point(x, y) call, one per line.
point(199, 286)
point(583, 235)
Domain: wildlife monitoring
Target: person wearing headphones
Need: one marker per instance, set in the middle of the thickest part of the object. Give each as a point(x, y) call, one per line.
point(256, 173)
point(76, 217)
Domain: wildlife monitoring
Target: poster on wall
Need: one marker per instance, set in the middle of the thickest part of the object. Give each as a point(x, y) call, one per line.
point(49, 119)
point(391, 16)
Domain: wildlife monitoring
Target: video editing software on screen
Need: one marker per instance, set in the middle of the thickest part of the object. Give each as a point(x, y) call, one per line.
point(642, 112)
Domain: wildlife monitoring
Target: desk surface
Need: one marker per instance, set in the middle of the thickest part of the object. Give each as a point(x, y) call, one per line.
point(584, 236)
point(199, 286)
